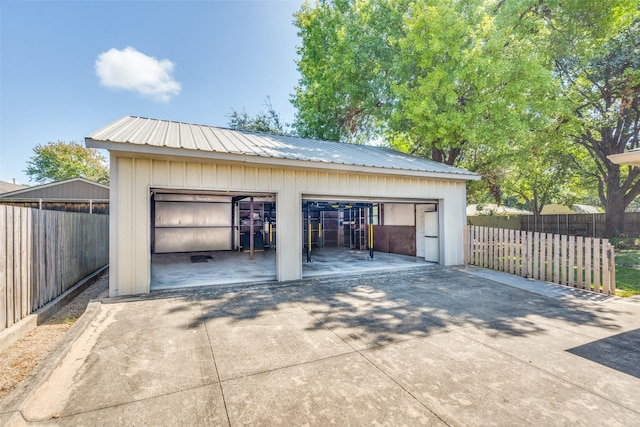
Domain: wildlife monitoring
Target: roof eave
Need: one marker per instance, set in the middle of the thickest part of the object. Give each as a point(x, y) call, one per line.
point(126, 148)
point(628, 158)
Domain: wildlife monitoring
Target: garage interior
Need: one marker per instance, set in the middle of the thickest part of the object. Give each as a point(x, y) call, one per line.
point(207, 238)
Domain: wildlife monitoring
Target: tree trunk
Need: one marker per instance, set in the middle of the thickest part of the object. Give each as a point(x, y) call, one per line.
point(614, 204)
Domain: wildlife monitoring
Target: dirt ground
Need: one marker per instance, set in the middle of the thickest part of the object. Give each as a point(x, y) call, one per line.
point(17, 361)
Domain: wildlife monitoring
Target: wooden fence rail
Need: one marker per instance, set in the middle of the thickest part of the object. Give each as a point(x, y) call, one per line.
point(575, 261)
point(44, 253)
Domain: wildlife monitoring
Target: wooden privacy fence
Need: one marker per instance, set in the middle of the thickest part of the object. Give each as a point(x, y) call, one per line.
point(44, 253)
point(586, 225)
point(575, 261)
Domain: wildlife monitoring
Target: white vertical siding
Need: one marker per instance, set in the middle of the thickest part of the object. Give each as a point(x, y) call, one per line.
point(133, 177)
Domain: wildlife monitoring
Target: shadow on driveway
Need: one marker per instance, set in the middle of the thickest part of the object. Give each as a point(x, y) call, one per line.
point(620, 352)
point(388, 307)
point(425, 346)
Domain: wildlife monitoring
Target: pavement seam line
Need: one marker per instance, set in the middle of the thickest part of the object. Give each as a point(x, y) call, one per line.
point(280, 368)
point(551, 374)
point(215, 365)
point(116, 405)
point(379, 369)
point(355, 350)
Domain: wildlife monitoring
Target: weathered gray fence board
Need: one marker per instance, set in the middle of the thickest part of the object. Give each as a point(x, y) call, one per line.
point(44, 253)
point(4, 245)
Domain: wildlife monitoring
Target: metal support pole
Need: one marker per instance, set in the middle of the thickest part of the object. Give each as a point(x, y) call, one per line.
point(308, 232)
point(371, 231)
point(251, 242)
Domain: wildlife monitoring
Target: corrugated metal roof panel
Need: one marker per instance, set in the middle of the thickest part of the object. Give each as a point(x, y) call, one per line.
point(70, 189)
point(162, 133)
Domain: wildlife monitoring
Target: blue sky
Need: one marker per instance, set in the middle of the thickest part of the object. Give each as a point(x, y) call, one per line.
point(68, 68)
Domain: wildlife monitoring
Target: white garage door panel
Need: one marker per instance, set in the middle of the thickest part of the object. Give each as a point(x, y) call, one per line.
point(176, 214)
point(192, 239)
point(192, 226)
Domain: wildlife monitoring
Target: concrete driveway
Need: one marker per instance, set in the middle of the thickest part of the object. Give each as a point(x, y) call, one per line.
point(427, 346)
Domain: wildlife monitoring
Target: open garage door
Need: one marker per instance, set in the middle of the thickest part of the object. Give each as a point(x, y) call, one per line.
point(350, 236)
point(206, 238)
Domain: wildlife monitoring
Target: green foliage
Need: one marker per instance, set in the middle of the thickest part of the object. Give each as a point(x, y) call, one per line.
point(57, 161)
point(627, 268)
point(268, 122)
point(627, 281)
point(432, 77)
point(604, 91)
point(468, 85)
point(348, 52)
point(504, 88)
point(628, 272)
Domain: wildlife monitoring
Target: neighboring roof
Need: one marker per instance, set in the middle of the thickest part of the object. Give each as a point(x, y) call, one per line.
point(493, 209)
point(137, 134)
point(6, 187)
point(631, 157)
point(586, 209)
point(556, 209)
point(69, 189)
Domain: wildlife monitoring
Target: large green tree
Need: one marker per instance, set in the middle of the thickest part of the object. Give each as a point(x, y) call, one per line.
point(606, 99)
point(476, 83)
point(595, 48)
point(57, 161)
point(433, 77)
point(347, 63)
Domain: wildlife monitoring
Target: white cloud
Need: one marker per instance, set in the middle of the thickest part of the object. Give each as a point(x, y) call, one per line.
point(131, 70)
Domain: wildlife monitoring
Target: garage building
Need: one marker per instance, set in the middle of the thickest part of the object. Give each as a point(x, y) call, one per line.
point(209, 193)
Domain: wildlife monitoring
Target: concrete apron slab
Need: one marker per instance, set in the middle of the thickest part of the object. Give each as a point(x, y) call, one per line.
point(418, 347)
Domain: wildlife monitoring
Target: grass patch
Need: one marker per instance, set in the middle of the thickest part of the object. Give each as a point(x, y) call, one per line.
point(70, 319)
point(628, 272)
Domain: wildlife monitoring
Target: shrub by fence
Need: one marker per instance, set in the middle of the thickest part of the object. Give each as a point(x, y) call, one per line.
point(575, 261)
point(44, 253)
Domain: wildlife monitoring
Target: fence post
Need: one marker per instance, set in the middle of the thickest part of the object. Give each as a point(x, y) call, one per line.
point(564, 260)
point(467, 240)
point(597, 245)
point(612, 267)
point(580, 259)
point(572, 260)
point(529, 255)
point(587, 262)
point(549, 257)
point(556, 258)
point(535, 273)
point(606, 267)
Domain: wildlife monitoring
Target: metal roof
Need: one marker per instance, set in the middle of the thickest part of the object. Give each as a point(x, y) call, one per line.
point(68, 189)
point(6, 187)
point(148, 135)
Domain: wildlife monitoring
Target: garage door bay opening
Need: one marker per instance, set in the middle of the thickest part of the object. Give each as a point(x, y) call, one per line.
point(357, 235)
point(205, 238)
